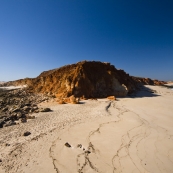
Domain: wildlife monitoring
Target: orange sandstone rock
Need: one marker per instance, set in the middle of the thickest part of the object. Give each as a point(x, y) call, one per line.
point(111, 98)
point(61, 102)
point(86, 79)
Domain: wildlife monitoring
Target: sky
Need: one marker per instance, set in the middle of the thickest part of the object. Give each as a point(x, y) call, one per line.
point(39, 35)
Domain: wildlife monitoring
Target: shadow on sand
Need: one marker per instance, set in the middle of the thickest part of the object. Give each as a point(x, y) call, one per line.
point(81, 102)
point(144, 91)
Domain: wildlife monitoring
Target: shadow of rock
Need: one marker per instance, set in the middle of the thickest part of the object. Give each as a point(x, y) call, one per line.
point(143, 91)
point(167, 86)
point(81, 102)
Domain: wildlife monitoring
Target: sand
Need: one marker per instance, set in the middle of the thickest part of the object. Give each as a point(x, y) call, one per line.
point(13, 87)
point(133, 135)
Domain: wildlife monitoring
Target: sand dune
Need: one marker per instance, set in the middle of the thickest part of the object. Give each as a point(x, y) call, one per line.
point(133, 135)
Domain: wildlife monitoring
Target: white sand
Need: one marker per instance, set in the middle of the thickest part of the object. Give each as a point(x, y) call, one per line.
point(133, 135)
point(13, 87)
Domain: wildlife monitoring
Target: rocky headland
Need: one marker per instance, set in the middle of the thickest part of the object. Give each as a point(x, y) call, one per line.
point(88, 79)
point(128, 131)
point(68, 84)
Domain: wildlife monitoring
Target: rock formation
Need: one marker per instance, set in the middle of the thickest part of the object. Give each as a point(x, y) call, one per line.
point(84, 79)
point(87, 79)
point(148, 81)
point(26, 81)
point(18, 105)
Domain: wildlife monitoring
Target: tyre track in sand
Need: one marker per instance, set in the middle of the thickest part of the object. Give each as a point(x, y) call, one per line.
point(128, 135)
point(130, 147)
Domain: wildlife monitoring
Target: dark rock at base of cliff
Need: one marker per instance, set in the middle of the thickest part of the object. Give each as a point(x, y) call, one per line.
point(19, 104)
point(45, 110)
point(9, 123)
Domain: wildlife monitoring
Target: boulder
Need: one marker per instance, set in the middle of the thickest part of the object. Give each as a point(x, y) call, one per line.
point(23, 120)
point(73, 99)
point(27, 133)
point(26, 108)
point(2, 122)
point(9, 123)
point(19, 115)
point(111, 98)
point(30, 117)
point(5, 109)
point(36, 111)
point(61, 102)
point(67, 145)
point(45, 110)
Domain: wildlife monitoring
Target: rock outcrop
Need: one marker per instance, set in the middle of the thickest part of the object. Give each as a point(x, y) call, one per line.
point(26, 81)
point(18, 105)
point(148, 81)
point(86, 79)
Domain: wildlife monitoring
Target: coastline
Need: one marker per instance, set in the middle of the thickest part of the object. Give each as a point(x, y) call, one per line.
point(132, 134)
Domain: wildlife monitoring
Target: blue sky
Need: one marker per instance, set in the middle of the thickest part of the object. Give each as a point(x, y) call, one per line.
point(39, 35)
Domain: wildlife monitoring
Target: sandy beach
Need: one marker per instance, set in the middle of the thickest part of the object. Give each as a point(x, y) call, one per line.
point(129, 135)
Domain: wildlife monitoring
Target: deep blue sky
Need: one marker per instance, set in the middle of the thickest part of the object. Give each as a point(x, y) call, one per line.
point(39, 35)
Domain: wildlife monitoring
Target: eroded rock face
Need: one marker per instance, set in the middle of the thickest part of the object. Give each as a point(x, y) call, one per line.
point(87, 79)
point(84, 79)
point(148, 81)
